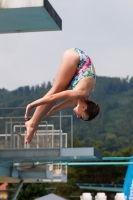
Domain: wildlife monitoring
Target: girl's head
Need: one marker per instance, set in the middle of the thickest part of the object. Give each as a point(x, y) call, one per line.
point(86, 109)
point(92, 110)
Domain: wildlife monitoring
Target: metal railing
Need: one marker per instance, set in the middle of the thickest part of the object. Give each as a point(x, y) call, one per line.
point(13, 132)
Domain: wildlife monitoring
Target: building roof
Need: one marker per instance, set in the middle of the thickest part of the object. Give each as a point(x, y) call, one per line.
point(3, 186)
point(50, 197)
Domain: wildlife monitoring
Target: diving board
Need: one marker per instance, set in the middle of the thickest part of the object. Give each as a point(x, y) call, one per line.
point(18, 16)
point(100, 187)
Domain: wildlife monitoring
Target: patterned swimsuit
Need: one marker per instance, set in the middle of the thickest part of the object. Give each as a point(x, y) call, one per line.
point(84, 69)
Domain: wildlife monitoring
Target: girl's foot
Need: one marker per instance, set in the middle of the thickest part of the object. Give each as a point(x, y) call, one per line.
point(31, 131)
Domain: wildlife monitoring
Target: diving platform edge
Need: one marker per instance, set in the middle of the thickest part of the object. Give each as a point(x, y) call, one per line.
point(52, 155)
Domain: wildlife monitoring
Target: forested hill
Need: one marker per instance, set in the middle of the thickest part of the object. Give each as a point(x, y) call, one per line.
point(111, 130)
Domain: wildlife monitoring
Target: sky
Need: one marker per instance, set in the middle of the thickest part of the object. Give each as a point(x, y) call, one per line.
point(102, 29)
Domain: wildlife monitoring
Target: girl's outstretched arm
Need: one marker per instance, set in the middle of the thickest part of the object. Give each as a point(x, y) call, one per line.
point(67, 94)
point(59, 107)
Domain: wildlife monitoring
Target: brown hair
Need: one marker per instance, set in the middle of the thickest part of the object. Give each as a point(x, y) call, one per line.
point(92, 110)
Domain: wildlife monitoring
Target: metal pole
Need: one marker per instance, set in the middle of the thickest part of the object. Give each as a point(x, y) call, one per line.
point(71, 131)
point(20, 135)
point(94, 163)
point(53, 137)
point(18, 190)
point(37, 141)
point(11, 134)
point(6, 136)
point(46, 134)
point(117, 158)
point(60, 131)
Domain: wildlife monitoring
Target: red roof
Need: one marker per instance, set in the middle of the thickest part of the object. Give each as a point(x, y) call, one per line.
point(3, 186)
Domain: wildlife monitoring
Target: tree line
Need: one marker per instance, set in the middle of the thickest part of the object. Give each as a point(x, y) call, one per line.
point(112, 128)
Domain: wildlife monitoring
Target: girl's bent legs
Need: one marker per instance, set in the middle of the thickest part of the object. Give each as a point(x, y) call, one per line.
point(62, 80)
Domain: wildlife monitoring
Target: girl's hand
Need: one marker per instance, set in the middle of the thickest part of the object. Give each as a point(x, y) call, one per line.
point(27, 112)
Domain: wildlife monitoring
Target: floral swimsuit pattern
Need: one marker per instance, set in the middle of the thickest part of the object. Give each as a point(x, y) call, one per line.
point(84, 68)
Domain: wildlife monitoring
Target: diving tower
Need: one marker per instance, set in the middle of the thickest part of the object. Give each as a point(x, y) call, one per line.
point(42, 160)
